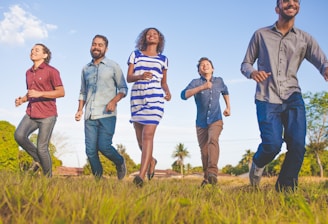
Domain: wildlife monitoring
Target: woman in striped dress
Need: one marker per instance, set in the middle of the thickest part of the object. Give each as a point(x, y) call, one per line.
point(147, 71)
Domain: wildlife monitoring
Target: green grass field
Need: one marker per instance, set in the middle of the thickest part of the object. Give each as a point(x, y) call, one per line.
point(26, 199)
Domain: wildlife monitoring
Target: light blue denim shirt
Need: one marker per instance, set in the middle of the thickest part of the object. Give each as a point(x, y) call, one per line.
point(99, 85)
point(281, 55)
point(207, 101)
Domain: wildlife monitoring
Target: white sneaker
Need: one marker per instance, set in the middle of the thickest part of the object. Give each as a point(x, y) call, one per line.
point(255, 174)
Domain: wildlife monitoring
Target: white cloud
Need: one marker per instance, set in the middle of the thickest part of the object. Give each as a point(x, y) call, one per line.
point(19, 25)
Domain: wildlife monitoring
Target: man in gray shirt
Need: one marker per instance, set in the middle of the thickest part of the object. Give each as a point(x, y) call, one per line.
point(279, 51)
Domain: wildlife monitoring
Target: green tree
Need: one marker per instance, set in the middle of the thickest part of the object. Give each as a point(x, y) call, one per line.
point(228, 169)
point(242, 167)
point(175, 166)
point(235, 170)
point(306, 169)
point(247, 158)
point(180, 153)
point(8, 147)
point(317, 122)
point(197, 169)
point(324, 160)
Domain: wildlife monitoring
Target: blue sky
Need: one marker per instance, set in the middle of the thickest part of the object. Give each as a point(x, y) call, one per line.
point(219, 30)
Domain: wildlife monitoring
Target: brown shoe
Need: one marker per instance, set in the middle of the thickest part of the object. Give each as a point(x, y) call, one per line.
point(204, 183)
point(212, 179)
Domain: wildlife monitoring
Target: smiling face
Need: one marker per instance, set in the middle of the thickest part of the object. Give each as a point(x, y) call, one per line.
point(152, 36)
point(38, 54)
point(205, 68)
point(288, 9)
point(98, 48)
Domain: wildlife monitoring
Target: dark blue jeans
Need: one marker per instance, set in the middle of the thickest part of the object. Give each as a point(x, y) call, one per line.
point(40, 151)
point(278, 123)
point(99, 136)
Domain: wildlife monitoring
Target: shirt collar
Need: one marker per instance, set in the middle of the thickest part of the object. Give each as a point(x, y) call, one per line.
point(42, 66)
point(103, 61)
point(203, 78)
point(274, 27)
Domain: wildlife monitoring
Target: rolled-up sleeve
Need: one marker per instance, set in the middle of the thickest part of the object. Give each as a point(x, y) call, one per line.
point(83, 93)
point(250, 58)
point(120, 81)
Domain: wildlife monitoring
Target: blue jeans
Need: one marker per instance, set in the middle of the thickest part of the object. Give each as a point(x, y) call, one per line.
point(276, 120)
point(98, 136)
point(40, 152)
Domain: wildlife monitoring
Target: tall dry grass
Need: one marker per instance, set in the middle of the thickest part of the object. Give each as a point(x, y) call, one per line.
point(26, 199)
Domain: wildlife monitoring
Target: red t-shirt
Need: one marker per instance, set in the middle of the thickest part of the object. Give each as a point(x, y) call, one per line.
point(45, 78)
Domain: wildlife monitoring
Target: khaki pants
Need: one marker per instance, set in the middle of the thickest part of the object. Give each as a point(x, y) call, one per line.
point(208, 140)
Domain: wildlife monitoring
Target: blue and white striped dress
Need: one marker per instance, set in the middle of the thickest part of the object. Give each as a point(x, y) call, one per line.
point(147, 96)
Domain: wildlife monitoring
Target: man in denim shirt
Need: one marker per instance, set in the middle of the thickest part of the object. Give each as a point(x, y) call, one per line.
point(102, 87)
point(279, 50)
point(206, 91)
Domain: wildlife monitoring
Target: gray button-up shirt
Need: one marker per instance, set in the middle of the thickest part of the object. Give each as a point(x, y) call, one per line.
point(282, 56)
point(99, 85)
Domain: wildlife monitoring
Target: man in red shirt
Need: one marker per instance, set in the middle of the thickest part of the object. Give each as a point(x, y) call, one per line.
point(44, 85)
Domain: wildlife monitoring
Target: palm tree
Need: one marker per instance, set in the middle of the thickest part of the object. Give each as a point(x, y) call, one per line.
point(180, 153)
point(248, 158)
